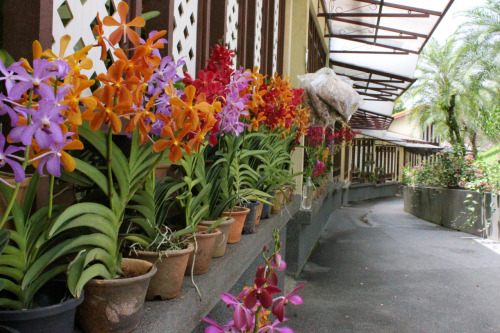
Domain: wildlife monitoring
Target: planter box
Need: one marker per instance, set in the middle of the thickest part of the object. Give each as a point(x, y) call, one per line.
point(367, 191)
point(446, 207)
point(304, 228)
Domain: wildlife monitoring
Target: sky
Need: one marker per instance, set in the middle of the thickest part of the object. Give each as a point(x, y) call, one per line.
point(451, 21)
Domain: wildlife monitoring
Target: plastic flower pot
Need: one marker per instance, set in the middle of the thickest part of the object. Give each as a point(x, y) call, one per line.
point(266, 211)
point(204, 249)
point(221, 240)
point(171, 265)
point(249, 225)
point(239, 215)
point(52, 315)
point(116, 305)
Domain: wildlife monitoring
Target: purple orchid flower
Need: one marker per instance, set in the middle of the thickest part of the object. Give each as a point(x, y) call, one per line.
point(52, 159)
point(42, 70)
point(6, 109)
point(46, 91)
point(19, 174)
point(243, 317)
point(217, 328)
point(280, 302)
point(271, 328)
point(44, 126)
point(232, 111)
point(9, 74)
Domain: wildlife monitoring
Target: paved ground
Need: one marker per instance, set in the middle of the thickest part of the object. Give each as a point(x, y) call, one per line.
point(378, 269)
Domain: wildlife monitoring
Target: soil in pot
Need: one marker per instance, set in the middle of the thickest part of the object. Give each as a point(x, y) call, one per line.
point(277, 202)
point(204, 250)
point(116, 305)
point(249, 225)
point(221, 240)
point(171, 265)
point(258, 213)
point(239, 215)
point(52, 315)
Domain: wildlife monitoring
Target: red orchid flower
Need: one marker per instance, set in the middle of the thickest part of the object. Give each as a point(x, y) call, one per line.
point(262, 292)
point(282, 301)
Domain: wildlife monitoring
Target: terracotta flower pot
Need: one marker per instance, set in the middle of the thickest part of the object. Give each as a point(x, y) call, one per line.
point(239, 215)
point(204, 249)
point(221, 240)
point(116, 305)
point(258, 213)
point(277, 202)
point(288, 191)
point(171, 265)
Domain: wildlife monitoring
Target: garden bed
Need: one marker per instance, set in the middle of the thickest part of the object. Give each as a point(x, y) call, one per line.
point(454, 208)
point(184, 313)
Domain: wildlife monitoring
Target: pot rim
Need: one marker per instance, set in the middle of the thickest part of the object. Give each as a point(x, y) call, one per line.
point(45, 311)
point(240, 211)
point(166, 253)
point(216, 232)
point(229, 221)
point(124, 281)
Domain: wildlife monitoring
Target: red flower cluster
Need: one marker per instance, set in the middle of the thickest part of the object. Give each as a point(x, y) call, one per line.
point(314, 137)
point(345, 134)
point(319, 169)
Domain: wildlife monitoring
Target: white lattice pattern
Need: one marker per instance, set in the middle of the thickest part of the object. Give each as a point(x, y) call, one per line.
point(232, 25)
point(258, 33)
point(74, 18)
point(184, 34)
point(275, 35)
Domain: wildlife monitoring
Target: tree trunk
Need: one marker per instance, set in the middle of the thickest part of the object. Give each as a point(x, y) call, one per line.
point(455, 135)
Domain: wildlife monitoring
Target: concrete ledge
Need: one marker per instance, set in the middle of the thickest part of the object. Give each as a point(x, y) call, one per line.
point(304, 228)
point(184, 313)
point(367, 191)
point(446, 207)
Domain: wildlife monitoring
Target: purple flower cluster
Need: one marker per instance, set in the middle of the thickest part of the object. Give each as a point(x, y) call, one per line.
point(234, 108)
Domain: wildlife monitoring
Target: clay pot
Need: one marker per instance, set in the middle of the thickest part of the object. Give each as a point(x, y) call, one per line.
point(221, 240)
point(116, 305)
point(249, 225)
point(288, 191)
point(258, 213)
point(277, 202)
point(204, 250)
point(161, 171)
point(239, 215)
point(171, 265)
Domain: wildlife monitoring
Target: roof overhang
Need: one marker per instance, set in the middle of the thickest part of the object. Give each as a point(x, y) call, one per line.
point(376, 44)
point(408, 142)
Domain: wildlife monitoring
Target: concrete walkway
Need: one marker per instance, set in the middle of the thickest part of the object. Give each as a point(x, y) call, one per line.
point(378, 269)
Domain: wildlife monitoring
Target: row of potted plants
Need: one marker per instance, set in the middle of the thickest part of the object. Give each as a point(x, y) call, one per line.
point(225, 137)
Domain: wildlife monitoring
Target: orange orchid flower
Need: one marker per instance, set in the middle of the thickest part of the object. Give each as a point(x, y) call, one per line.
point(99, 31)
point(123, 27)
point(174, 143)
point(114, 77)
point(73, 99)
point(141, 118)
point(108, 111)
point(135, 66)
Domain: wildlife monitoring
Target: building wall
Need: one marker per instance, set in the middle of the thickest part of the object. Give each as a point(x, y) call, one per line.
point(405, 126)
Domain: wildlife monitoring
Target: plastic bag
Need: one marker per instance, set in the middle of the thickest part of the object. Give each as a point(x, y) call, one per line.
point(329, 96)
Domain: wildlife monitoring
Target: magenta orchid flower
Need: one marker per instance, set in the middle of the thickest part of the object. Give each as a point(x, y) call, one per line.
point(277, 262)
point(6, 158)
point(217, 328)
point(271, 328)
point(280, 302)
point(262, 292)
point(44, 126)
point(242, 316)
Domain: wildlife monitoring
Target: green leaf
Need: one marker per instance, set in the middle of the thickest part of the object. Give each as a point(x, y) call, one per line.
point(150, 15)
point(94, 271)
point(30, 194)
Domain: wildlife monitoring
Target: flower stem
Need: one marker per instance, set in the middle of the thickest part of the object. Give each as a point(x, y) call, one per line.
point(25, 163)
point(51, 195)
point(110, 170)
point(257, 315)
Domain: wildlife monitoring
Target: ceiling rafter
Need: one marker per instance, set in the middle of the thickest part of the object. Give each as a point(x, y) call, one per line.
point(335, 15)
point(370, 70)
point(371, 36)
point(369, 25)
point(398, 6)
point(364, 119)
point(369, 52)
point(385, 46)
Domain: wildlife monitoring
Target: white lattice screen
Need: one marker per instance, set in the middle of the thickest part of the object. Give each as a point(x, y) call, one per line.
point(184, 34)
point(258, 33)
point(75, 18)
point(275, 35)
point(232, 24)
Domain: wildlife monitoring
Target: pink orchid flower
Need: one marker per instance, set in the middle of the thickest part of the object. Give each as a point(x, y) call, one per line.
point(282, 301)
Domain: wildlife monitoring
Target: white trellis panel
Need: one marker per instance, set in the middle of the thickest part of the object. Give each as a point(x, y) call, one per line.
point(258, 33)
point(232, 25)
point(79, 28)
point(184, 34)
point(275, 35)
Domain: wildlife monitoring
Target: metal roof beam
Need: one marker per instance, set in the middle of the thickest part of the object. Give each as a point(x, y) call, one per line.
point(379, 82)
point(331, 16)
point(378, 45)
point(370, 70)
point(398, 6)
point(368, 25)
point(371, 36)
point(369, 52)
point(378, 96)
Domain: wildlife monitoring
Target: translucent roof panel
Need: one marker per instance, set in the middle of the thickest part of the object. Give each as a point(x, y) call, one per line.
point(376, 44)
